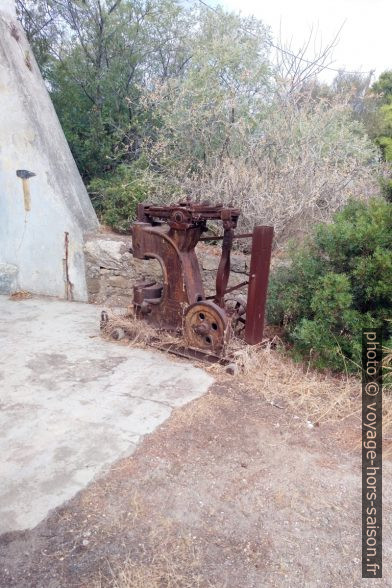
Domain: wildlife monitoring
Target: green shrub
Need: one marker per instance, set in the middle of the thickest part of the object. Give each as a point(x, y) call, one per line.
point(115, 197)
point(386, 188)
point(335, 284)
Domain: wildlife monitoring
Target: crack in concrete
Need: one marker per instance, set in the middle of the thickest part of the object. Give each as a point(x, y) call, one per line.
point(137, 397)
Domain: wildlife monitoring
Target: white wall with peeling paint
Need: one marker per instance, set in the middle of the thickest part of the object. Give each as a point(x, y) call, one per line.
point(31, 139)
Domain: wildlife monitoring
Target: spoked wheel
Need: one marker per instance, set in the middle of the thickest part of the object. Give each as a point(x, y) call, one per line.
point(206, 326)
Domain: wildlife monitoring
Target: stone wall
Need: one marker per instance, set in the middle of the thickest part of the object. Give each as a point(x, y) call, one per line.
point(111, 269)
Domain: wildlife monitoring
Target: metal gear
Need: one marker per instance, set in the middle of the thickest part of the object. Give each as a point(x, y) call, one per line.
point(236, 308)
point(206, 326)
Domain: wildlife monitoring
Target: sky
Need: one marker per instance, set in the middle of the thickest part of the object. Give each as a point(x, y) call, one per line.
point(365, 39)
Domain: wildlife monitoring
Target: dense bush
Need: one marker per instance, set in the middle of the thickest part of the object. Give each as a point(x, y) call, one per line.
point(339, 281)
point(115, 197)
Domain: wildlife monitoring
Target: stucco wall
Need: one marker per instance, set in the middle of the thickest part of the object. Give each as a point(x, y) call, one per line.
point(31, 139)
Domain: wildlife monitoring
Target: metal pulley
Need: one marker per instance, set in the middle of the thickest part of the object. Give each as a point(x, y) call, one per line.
point(206, 326)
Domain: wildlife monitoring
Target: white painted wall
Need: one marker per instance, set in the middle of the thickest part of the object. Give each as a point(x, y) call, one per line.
point(31, 138)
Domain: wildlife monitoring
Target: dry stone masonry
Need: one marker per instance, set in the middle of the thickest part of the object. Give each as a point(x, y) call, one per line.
point(111, 269)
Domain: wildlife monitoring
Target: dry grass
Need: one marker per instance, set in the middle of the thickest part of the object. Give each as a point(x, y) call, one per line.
point(387, 368)
point(20, 295)
point(311, 395)
point(265, 369)
point(136, 333)
point(166, 559)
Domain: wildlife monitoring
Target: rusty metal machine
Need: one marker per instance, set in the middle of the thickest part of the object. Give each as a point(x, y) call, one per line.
point(170, 235)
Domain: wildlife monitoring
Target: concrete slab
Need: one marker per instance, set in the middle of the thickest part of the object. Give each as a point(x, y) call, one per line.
point(72, 403)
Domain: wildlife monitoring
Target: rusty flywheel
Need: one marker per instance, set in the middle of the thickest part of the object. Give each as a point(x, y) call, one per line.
point(206, 326)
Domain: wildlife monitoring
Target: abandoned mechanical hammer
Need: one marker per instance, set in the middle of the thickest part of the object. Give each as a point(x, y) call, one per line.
point(170, 235)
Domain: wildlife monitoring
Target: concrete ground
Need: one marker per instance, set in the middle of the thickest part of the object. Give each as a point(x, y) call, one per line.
point(72, 403)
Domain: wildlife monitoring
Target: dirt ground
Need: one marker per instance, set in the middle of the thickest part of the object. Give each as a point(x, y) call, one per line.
point(230, 492)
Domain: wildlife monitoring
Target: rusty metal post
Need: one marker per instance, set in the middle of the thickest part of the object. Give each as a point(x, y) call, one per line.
point(223, 273)
point(258, 283)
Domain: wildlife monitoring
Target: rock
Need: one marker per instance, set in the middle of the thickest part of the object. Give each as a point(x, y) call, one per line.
point(232, 369)
point(209, 262)
point(127, 258)
point(125, 247)
point(112, 291)
point(149, 269)
point(93, 285)
point(239, 264)
point(118, 301)
point(119, 282)
point(8, 278)
point(118, 334)
point(92, 271)
point(106, 253)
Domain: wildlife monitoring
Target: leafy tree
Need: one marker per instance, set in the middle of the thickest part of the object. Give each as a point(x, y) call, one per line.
point(383, 127)
point(383, 87)
point(355, 87)
point(227, 81)
point(39, 20)
point(99, 53)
